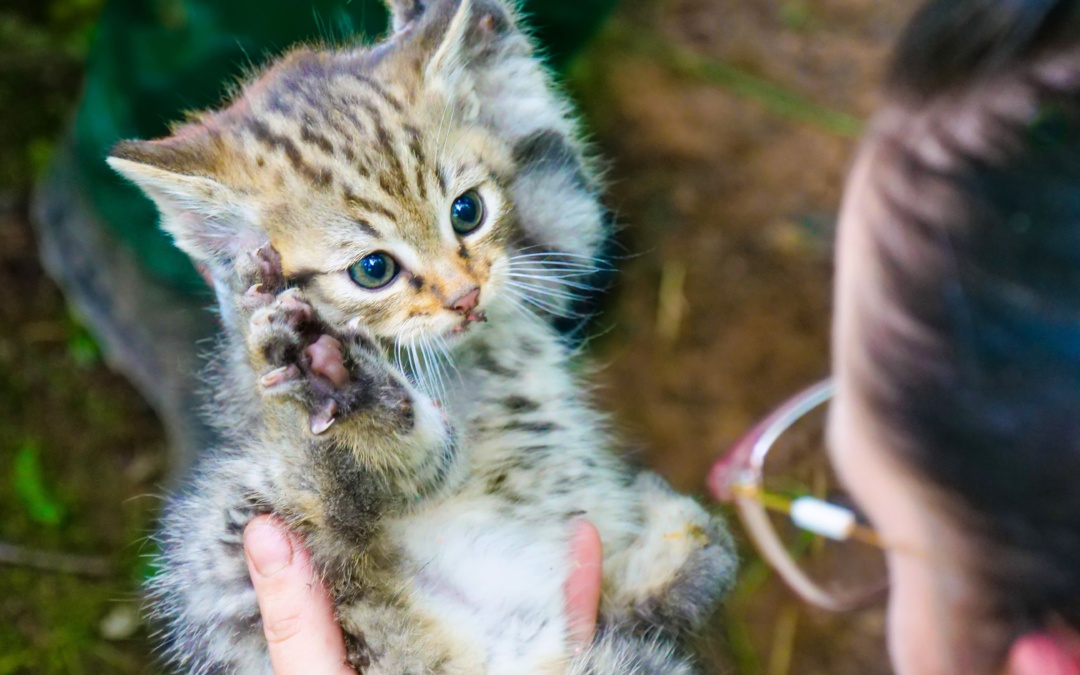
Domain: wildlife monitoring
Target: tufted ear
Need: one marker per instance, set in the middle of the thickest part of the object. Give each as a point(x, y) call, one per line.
point(476, 52)
point(404, 12)
point(208, 220)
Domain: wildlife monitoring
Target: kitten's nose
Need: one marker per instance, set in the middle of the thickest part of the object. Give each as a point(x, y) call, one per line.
point(467, 301)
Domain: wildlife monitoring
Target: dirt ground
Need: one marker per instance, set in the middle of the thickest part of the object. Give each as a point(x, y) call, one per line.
point(728, 125)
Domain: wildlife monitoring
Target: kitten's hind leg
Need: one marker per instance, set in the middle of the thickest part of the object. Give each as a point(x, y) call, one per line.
point(623, 652)
point(674, 574)
point(200, 596)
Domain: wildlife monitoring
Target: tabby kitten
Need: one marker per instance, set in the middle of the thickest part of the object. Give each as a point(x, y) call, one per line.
point(390, 232)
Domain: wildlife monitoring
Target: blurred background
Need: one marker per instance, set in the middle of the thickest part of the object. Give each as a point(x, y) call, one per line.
point(728, 125)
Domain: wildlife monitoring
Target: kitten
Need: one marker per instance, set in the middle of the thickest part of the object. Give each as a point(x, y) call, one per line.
point(390, 232)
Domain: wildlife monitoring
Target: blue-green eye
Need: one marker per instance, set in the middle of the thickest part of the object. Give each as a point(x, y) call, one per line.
point(467, 212)
point(374, 270)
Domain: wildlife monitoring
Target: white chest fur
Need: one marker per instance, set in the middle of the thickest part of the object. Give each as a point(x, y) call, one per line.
point(490, 582)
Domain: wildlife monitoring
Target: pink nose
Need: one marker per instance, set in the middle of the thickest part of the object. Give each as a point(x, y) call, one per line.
point(466, 302)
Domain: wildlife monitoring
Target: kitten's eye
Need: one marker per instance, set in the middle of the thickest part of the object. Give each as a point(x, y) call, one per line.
point(374, 270)
point(467, 212)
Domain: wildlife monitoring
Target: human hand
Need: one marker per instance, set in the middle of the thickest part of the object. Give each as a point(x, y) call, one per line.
point(582, 587)
point(298, 616)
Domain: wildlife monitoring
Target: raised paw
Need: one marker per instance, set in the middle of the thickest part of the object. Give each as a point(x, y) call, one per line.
point(333, 376)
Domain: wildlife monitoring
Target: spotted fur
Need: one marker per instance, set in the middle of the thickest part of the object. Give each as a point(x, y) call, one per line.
point(437, 505)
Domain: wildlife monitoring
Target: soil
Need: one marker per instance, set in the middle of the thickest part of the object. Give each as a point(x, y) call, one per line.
point(728, 126)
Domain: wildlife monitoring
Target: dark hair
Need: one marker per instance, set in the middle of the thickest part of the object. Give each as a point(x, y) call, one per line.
point(973, 352)
point(951, 43)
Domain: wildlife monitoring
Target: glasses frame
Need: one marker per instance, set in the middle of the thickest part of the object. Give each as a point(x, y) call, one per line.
point(738, 478)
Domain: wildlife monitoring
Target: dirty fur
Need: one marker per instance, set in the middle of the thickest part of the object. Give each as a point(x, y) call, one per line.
point(428, 438)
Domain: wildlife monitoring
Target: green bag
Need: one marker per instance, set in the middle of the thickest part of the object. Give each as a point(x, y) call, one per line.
point(154, 59)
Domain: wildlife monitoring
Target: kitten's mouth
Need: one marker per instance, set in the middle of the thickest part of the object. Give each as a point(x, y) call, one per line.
point(468, 319)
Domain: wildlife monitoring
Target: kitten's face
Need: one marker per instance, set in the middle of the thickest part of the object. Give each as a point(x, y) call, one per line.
point(409, 232)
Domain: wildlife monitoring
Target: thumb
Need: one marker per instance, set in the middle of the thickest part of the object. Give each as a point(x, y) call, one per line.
point(582, 586)
point(297, 614)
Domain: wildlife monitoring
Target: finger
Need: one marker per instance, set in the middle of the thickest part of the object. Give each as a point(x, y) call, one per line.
point(582, 587)
point(297, 615)
point(1041, 654)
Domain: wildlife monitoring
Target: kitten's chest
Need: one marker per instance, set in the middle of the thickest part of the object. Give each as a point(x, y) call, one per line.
point(509, 390)
point(489, 581)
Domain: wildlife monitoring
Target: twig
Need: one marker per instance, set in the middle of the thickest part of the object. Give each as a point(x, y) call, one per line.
point(671, 301)
point(49, 561)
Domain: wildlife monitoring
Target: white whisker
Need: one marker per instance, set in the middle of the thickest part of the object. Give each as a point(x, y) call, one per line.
point(560, 256)
point(561, 281)
point(436, 373)
point(539, 302)
point(554, 269)
point(418, 377)
point(447, 361)
point(546, 291)
point(539, 265)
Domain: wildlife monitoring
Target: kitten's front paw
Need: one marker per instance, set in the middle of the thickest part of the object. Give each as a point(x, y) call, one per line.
point(332, 376)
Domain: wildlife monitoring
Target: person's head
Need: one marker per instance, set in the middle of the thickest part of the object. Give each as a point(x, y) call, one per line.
point(956, 420)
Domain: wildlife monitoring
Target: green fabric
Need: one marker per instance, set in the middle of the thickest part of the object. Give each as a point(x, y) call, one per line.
point(154, 59)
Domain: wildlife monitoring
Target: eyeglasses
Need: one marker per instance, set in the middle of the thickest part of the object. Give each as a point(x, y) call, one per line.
point(795, 510)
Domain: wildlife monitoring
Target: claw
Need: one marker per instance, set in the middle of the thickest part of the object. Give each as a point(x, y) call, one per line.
point(354, 324)
point(279, 376)
point(269, 262)
point(291, 296)
point(293, 301)
point(323, 419)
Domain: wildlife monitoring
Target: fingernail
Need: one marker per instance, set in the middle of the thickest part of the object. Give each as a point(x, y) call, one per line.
point(268, 546)
point(581, 530)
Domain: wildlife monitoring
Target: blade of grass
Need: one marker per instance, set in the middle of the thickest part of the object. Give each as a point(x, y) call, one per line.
point(739, 642)
point(29, 484)
point(783, 644)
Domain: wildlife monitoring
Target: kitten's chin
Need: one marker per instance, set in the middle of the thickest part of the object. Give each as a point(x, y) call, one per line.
point(449, 332)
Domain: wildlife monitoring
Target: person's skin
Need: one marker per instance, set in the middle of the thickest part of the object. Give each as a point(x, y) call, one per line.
point(928, 585)
point(298, 616)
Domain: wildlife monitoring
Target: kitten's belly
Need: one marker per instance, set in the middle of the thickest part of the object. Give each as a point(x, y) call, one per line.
point(493, 584)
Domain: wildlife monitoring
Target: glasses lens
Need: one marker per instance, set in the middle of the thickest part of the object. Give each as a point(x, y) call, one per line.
point(798, 466)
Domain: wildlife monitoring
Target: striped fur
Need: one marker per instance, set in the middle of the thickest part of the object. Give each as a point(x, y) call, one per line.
point(443, 535)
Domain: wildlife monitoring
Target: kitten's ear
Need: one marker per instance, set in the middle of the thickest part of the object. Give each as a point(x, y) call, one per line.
point(207, 219)
point(476, 52)
point(404, 12)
